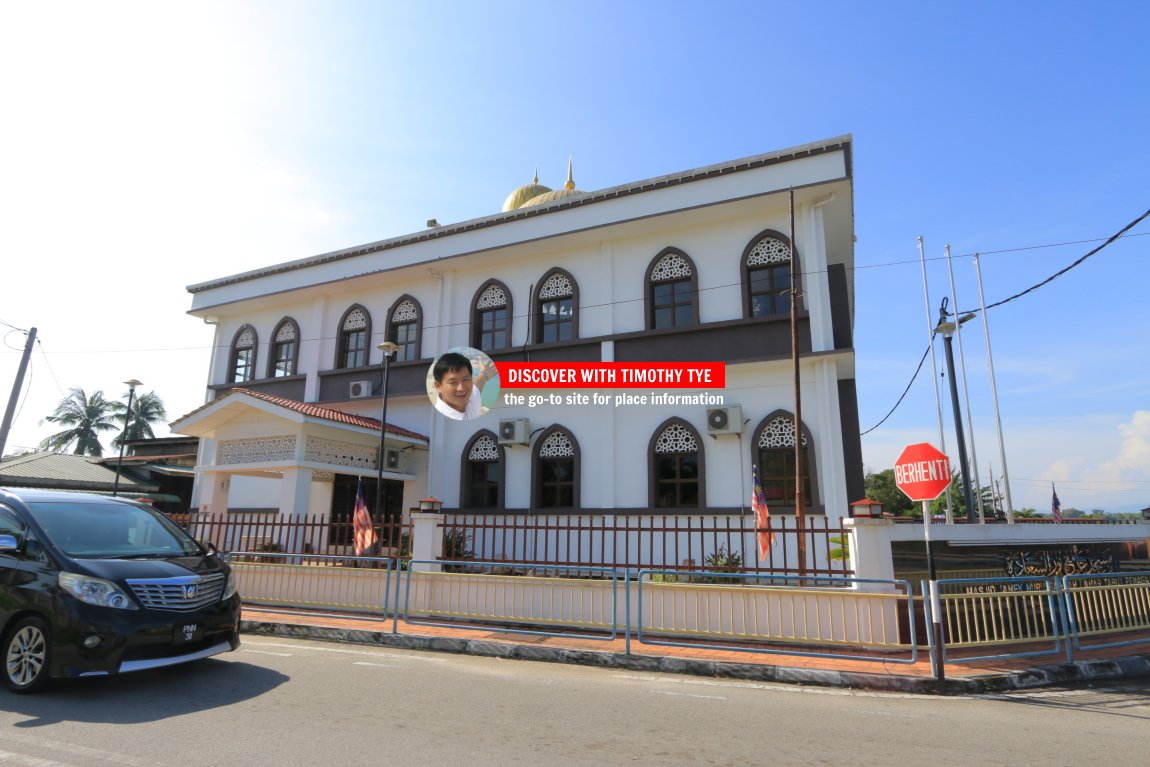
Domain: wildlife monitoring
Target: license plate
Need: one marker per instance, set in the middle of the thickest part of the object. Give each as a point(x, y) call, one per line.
point(186, 632)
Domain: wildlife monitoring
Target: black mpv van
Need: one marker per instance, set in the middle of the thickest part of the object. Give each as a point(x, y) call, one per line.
point(92, 585)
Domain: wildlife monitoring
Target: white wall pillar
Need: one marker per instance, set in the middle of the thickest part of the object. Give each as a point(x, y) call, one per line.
point(870, 550)
point(295, 492)
point(214, 487)
point(829, 445)
point(426, 541)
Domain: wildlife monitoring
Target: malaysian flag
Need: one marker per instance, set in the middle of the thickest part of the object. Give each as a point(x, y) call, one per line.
point(364, 531)
point(762, 515)
point(1055, 504)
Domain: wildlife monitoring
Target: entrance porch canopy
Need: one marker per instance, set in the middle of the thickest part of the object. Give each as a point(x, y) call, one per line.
point(254, 434)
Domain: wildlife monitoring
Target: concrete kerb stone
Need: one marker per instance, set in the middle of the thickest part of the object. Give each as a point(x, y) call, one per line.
point(1111, 668)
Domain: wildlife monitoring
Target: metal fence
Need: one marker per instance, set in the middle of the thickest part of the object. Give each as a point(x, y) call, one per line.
point(685, 543)
point(276, 533)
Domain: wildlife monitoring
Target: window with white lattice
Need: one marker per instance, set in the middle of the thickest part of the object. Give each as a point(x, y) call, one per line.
point(491, 317)
point(403, 323)
point(767, 275)
point(482, 485)
point(243, 362)
point(774, 452)
point(556, 476)
point(671, 287)
point(354, 332)
point(285, 349)
point(557, 304)
point(676, 463)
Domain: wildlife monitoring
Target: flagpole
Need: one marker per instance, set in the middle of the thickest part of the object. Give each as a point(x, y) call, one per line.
point(965, 392)
point(934, 370)
point(994, 395)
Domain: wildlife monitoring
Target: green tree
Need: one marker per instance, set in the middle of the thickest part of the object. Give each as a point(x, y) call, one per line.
point(881, 487)
point(147, 409)
point(86, 417)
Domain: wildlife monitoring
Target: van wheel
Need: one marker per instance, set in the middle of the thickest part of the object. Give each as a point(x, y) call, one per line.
point(26, 651)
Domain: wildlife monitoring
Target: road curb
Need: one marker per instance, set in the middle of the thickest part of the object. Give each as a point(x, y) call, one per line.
point(1035, 676)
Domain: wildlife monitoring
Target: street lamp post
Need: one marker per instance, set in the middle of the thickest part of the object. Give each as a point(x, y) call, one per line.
point(389, 349)
point(132, 384)
point(947, 329)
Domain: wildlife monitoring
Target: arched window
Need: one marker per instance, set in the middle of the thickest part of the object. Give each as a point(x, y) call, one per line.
point(556, 475)
point(243, 362)
point(767, 276)
point(557, 302)
point(403, 328)
point(676, 460)
point(491, 317)
point(285, 349)
point(672, 285)
point(774, 452)
point(354, 331)
point(481, 486)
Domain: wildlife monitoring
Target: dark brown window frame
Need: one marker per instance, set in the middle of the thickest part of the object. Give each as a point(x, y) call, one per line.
point(341, 346)
point(539, 323)
point(476, 324)
point(273, 349)
point(745, 271)
point(465, 498)
point(576, 473)
point(652, 468)
point(649, 288)
point(392, 332)
point(234, 356)
point(811, 498)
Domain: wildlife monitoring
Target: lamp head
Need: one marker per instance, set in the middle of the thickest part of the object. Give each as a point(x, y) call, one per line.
point(388, 348)
point(132, 383)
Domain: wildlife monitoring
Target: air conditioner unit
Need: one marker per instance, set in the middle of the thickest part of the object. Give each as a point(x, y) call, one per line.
point(359, 389)
point(514, 431)
point(392, 460)
point(725, 419)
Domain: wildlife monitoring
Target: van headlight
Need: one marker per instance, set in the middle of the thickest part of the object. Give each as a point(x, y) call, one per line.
point(229, 586)
point(96, 591)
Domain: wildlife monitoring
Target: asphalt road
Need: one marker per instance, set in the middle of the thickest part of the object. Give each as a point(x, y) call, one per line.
point(288, 702)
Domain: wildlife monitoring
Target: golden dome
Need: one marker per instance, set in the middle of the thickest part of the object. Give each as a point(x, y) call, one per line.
point(524, 193)
point(568, 190)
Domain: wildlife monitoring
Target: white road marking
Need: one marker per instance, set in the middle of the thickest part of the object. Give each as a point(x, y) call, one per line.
point(375, 665)
point(82, 754)
point(342, 651)
point(23, 760)
point(267, 652)
point(686, 694)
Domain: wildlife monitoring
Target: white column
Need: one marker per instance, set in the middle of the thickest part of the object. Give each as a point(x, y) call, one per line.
point(426, 541)
point(831, 466)
point(816, 286)
point(295, 492)
point(870, 552)
point(311, 347)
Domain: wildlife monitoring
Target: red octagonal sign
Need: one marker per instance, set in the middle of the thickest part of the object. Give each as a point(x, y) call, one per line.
point(922, 472)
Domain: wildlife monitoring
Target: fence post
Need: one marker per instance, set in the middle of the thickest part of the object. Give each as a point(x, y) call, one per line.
point(870, 552)
point(426, 541)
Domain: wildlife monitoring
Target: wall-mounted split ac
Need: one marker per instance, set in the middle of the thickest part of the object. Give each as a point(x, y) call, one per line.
point(359, 389)
point(514, 431)
point(725, 419)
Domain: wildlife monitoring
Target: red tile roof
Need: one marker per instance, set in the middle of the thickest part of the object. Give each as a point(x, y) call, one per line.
point(315, 411)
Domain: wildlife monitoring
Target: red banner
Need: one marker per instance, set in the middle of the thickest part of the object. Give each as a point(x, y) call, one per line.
point(612, 375)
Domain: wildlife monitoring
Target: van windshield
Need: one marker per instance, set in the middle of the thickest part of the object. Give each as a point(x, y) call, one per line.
point(112, 530)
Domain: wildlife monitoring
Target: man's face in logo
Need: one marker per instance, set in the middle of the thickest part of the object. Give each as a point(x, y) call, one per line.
point(455, 388)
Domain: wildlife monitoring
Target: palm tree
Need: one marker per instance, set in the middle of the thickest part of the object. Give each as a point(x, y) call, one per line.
point(147, 409)
point(86, 418)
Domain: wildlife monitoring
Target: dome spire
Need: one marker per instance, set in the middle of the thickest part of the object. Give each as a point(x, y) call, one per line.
point(570, 178)
point(536, 179)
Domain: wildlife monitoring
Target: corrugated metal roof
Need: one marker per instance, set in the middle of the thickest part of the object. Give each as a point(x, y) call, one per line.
point(60, 467)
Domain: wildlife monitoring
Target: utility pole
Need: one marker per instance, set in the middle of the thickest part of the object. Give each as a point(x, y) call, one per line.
point(17, 385)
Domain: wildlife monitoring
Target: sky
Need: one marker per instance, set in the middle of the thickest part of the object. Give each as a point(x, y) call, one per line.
point(150, 146)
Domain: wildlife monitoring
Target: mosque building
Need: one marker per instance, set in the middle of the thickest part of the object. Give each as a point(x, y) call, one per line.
point(693, 267)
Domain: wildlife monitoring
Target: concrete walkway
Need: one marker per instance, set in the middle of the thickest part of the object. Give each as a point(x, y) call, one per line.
point(877, 674)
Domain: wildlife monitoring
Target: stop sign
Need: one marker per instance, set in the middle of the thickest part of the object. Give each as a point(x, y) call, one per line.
point(922, 472)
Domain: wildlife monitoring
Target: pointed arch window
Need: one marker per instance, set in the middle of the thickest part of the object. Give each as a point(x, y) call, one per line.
point(243, 362)
point(672, 286)
point(676, 461)
point(556, 476)
point(774, 451)
point(354, 331)
point(482, 481)
point(767, 276)
point(556, 318)
point(491, 317)
point(285, 349)
point(403, 328)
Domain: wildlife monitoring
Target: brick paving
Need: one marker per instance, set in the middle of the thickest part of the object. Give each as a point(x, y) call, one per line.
point(873, 673)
